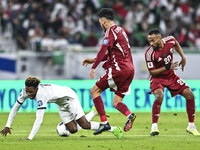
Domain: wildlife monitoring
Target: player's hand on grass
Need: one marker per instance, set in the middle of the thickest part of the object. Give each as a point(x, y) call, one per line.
point(92, 72)
point(24, 139)
point(88, 61)
point(5, 131)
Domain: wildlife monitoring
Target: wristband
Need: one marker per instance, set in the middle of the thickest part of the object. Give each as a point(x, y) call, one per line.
point(167, 66)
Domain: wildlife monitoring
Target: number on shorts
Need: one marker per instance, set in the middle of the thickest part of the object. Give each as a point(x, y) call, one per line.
point(180, 81)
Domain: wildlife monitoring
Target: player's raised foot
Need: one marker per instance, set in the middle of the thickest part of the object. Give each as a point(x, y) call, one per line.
point(118, 132)
point(94, 108)
point(102, 128)
point(129, 122)
point(193, 130)
point(154, 132)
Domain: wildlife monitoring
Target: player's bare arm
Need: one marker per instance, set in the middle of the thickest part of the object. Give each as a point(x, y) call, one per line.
point(178, 48)
point(88, 61)
point(5, 131)
point(156, 72)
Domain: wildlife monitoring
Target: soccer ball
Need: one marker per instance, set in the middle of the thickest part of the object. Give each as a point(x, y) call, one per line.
point(62, 130)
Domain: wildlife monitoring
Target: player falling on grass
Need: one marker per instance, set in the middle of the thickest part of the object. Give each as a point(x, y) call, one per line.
point(159, 61)
point(69, 107)
point(115, 50)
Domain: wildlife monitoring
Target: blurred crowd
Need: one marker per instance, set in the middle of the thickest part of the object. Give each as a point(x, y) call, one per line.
point(54, 24)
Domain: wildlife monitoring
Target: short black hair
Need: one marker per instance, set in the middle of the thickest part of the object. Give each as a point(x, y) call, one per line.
point(108, 13)
point(154, 31)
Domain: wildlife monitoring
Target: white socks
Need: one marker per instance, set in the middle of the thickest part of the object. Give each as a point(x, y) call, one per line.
point(191, 124)
point(154, 126)
point(88, 117)
point(95, 126)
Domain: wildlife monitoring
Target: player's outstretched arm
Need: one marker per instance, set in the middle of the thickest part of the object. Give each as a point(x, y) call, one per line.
point(88, 61)
point(5, 131)
point(37, 123)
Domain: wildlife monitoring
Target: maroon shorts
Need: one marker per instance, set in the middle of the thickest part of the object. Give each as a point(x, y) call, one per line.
point(174, 84)
point(118, 81)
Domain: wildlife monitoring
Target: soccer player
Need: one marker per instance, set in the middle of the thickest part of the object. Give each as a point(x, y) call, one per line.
point(159, 61)
point(69, 107)
point(115, 50)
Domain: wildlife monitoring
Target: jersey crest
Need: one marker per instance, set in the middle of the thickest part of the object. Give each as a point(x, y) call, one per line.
point(105, 41)
point(40, 103)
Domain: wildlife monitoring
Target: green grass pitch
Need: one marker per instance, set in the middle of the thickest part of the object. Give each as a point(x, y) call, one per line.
point(172, 127)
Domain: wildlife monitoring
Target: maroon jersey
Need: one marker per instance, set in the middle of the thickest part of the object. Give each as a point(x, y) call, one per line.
point(118, 55)
point(158, 58)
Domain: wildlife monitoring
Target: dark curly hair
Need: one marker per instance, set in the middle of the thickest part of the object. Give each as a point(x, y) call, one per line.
point(32, 81)
point(108, 13)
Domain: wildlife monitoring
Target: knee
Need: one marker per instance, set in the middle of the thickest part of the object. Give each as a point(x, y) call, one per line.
point(115, 104)
point(189, 94)
point(73, 130)
point(86, 125)
point(92, 91)
point(159, 97)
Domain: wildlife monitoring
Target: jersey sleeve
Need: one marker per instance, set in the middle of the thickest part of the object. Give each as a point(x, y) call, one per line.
point(39, 119)
point(100, 57)
point(107, 43)
point(41, 101)
point(149, 60)
point(21, 98)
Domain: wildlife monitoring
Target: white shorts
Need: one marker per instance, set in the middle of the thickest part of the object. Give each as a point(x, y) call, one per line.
point(70, 109)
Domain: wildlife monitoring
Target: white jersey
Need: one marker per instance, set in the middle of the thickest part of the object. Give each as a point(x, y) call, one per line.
point(63, 96)
point(48, 93)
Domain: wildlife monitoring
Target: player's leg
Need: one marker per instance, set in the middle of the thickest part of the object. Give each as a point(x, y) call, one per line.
point(180, 87)
point(121, 81)
point(70, 110)
point(158, 93)
point(91, 114)
point(190, 108)
point(72, 126)
point(117, 103)
point(85, 124)
point(95, 92)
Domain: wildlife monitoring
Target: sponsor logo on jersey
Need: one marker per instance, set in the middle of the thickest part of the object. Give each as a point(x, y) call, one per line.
point(150, 65)
point(105, 41)
point(159, 59)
